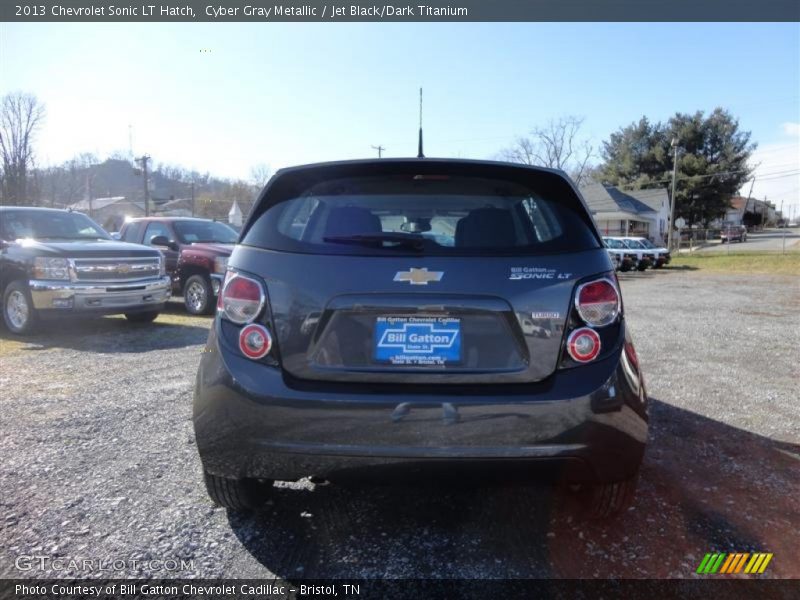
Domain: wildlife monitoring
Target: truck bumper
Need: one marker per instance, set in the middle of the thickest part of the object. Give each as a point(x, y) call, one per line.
point(99, 298)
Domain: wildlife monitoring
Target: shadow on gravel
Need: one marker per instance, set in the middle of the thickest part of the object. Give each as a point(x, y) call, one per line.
point(705, 486)
point(174, 328)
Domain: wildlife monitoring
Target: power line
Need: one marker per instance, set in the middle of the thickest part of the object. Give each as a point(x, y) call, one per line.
point(763, 177)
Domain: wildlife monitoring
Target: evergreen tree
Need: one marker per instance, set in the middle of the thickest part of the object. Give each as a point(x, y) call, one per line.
point(713, 156)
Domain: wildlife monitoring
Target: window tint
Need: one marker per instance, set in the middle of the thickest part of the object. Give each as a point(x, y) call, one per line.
point(133, 232)
point(204, 231)
point(41, 224)
point(614, 244)
point(154, 229)
point(445, 215)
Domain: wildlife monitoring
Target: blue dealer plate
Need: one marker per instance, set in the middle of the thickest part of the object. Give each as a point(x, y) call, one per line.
point(418, 340)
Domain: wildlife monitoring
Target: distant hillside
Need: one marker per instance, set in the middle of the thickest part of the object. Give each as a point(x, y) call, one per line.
point(84, 176)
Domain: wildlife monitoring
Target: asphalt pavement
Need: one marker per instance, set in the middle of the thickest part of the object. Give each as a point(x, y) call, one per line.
point(770, 240)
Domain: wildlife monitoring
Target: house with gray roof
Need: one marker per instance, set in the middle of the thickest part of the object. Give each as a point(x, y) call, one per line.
point(641, 213)
point(111, 212)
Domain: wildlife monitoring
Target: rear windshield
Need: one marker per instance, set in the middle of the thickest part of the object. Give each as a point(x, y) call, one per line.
point(436, 215)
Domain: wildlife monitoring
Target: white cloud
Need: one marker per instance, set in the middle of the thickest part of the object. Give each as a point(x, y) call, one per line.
point(792, 129)
point(777, 175)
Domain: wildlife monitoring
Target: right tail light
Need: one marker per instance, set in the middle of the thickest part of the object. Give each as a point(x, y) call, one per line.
point(583, 345)
point(597, 302)
point(593, 321)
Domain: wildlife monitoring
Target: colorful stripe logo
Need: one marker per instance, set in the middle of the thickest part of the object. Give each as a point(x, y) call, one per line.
point(737, 562)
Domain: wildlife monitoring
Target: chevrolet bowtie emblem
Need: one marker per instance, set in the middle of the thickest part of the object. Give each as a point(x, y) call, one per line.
point(419, 276)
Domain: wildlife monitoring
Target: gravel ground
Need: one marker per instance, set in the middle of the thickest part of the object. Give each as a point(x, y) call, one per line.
point(98, 461)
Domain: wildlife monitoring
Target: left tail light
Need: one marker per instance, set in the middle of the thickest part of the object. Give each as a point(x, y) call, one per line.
point(255, 341)
point(241, 299)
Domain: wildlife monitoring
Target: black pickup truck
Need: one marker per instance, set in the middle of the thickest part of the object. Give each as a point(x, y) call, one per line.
point(55, 263)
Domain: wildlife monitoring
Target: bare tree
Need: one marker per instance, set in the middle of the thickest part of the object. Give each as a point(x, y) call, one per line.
point(557, 145)
point(260, 174)
point(20, 116)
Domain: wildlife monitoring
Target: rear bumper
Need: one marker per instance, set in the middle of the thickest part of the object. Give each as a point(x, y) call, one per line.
point(585, 424)
point(61, 297)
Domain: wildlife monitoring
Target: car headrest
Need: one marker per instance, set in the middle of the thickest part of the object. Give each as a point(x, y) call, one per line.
point(486, 227)
point(351, 220)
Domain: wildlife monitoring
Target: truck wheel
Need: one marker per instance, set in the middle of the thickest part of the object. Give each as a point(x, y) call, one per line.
point(642, 266)
point(236, 494)
point(142, 317)
point(607, 500)
point(197, 295)
point(18, 312)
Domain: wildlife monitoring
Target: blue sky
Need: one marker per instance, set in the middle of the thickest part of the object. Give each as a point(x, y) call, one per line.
point(284, 94)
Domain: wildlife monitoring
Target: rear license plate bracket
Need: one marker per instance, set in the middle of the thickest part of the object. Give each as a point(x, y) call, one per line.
point(417, 340)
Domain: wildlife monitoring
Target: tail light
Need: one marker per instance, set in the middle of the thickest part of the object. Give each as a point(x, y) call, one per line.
point(583, 345)
point(593, 323)
point(241, 299)
point(255, 341)
point(597, 302)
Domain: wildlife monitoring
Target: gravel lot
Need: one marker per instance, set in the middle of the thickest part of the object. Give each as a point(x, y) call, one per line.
point(98, 460)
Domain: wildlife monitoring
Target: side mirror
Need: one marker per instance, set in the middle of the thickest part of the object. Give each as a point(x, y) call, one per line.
point(161, 240)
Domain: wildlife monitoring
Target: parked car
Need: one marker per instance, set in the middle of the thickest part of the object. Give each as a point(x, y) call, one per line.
point(56, 263)
point(660, 254)
point(730, 232)
point(620, 255)
point(196, 252)
point(384, 318)
point(639, 255)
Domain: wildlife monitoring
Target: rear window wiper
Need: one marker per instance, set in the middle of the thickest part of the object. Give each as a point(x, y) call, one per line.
point(415, 242)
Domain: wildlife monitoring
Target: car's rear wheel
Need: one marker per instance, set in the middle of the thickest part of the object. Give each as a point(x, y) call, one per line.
point(142, 317)
point(197, 295)
point(237, 494)
point(607, 500)
point(18, 312)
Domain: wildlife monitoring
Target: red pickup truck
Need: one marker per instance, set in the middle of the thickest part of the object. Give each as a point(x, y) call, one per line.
point(196, 254)
point(731, 231)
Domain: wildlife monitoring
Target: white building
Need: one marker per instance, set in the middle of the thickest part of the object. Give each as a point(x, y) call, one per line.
point(235, 215)
point(643, 213)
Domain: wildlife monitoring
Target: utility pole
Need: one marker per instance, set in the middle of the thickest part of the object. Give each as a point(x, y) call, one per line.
point(747, 200)
point(89, 194)
point(192, 197)
point(142, 160)
point(674, 145)
point(380, 150)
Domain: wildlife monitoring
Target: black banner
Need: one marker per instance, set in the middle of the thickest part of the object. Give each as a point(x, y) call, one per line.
point(428, 10)
point(428, 589)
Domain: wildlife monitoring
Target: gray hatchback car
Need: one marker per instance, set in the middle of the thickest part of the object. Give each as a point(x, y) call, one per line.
point(408, 318)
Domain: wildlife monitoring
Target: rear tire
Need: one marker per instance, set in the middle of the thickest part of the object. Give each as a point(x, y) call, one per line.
point(236, 494)
point(608, 500)
point(18, 312)
point(197, 295)
point(142, 317)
